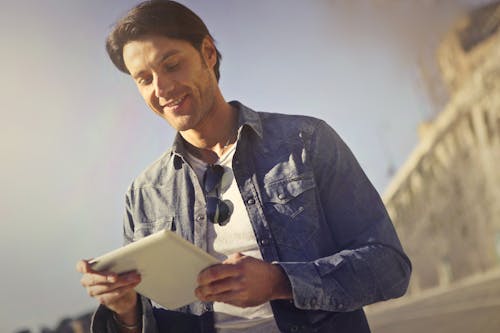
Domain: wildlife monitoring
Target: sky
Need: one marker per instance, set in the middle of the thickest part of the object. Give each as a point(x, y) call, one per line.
point(74, 131)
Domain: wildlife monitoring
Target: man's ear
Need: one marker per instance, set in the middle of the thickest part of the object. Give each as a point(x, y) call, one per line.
point(209, 52)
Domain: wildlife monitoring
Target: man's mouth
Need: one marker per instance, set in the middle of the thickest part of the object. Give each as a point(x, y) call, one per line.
point(174, 103)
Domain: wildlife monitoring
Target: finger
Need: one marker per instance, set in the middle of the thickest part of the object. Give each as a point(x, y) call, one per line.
point(92, 279)
point(85, 266)
point(116, 297)
point(103, 289)
point(234, 258)
point(230, 297)
point(218, 287)
point(104, 278)
point(217, 272)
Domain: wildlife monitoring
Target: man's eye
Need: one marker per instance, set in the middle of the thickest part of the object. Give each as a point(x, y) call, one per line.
point(144, 81)
point(171, 67)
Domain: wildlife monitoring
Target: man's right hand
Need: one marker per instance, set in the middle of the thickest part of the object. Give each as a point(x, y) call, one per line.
point(114, 291)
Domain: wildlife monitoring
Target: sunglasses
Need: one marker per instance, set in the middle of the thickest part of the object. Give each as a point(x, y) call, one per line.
point(218, 211)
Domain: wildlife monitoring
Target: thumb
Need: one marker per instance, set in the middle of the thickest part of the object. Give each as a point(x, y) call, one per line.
point(234, 258)
point(83, 266)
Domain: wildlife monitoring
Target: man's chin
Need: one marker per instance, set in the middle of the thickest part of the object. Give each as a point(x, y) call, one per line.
point(180, 126)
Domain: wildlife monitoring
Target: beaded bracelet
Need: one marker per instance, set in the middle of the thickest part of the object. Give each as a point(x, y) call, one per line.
point(123, 325)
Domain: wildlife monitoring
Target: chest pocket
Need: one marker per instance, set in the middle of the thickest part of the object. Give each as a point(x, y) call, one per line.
point(293, 211)
point(144, 229)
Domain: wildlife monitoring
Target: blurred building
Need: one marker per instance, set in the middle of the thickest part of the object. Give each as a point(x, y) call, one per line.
point(80, 324)
point(445, 200)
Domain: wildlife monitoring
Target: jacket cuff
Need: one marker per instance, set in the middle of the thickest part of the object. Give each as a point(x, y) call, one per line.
point(307, 287)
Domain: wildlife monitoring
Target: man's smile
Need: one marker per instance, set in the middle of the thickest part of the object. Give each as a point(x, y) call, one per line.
point(173, 104)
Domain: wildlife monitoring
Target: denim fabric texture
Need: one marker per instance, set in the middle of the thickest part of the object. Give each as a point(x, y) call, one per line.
point(313, 211)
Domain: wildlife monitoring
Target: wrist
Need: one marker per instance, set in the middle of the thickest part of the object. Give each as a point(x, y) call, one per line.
point(282, 287)
point(129, 320)
point(127, 325)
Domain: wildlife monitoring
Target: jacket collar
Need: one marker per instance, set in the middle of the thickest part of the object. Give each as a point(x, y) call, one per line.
point(247, 118)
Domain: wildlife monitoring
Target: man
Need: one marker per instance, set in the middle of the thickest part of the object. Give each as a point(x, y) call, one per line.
point(305, 239)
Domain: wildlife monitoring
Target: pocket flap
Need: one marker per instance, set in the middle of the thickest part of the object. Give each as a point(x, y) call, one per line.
point(283, 191)
point(147, 228)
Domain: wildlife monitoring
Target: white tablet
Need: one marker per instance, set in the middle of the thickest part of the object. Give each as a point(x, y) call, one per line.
point(168, 264)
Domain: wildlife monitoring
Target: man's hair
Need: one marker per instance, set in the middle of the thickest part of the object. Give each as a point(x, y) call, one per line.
point(157, 17)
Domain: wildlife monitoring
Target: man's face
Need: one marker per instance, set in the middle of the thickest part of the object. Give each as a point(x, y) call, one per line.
point(176, 81)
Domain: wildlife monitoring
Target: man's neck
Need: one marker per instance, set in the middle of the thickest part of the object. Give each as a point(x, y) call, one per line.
point(215, 136)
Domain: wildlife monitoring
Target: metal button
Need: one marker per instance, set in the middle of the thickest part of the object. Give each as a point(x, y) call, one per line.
point(200, 218)
point(264, 241)
point(281, 196)
point(251, 201)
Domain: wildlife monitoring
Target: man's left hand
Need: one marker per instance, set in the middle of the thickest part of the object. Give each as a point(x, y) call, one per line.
point(243, 281)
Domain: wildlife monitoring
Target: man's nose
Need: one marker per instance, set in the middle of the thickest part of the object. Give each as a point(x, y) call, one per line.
point(163, 86)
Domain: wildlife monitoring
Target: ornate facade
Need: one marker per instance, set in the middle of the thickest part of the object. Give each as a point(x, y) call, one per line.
point(445, 200)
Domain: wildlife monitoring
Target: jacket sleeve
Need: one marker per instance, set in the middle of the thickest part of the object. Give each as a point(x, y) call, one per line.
point(369, 264)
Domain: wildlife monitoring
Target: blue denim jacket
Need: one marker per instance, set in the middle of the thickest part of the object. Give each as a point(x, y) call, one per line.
point(313, 211)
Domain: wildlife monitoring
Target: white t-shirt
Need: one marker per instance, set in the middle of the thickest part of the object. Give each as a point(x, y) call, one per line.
point(235, 236)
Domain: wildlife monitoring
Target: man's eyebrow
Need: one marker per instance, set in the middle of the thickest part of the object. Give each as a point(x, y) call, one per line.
point(167, 55)
point(161, 59)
